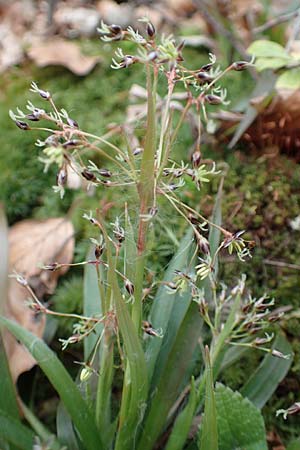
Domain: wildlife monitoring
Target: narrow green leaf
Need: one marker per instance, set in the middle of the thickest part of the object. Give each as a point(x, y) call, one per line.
point(40, 429)
point(183, 423)
point(240, 423)
point(290, 79)
point(62, 382)
point(170, 382)
point(263, 383)
point(91, 304)
point(167, 312)
point(136, 388)
point(64, 428)
point(267, 49)
point(8, 396)
point(209, 430)
point(15, 433)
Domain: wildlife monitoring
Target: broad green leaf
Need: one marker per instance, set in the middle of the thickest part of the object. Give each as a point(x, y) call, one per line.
point(267, 49)
point(64, 428)
point(183, 422)
point(62, 382)
point(167, 311)
point(264, 87)
point(91, 304)
point(263, 383)
point(295, 445)
point(170, 381)
point(270, 63)
point(8, 397)
point(290, 79)
point(209, 429)
point(15, 433)
point(240, 423)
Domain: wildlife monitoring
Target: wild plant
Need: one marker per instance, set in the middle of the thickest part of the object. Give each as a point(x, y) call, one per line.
point(163, 364)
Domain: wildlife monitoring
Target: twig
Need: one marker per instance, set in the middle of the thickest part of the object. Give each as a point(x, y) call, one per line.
point(281, 264)
point(275, 21)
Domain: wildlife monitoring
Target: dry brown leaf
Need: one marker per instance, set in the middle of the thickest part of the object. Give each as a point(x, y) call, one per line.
point(33, 243)
point(59, 52)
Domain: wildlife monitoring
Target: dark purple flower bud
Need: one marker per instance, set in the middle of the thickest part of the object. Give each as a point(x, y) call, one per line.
point(98, 251)
point(52, 267)
point(71, 143)
point(62, 176)
point(213, 99)
point(22, 125)
point(105, 173)
point(206, 67)
point(152, 56)
point(88, 175)
point(44, 94)
point(180, 46)
point(72, 123)
point(240, 65)
point(138, 151)
point(115, 29)
point(150, 30)
point(204, 77)
point(129, 287)
point(153, 211)
point(196, 159)
point(33, 117)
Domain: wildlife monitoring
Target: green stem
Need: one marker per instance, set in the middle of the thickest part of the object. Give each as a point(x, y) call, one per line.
point(146, 193)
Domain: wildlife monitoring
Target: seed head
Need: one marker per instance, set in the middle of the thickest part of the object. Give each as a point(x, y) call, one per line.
point(196, 159)
point(240, 65)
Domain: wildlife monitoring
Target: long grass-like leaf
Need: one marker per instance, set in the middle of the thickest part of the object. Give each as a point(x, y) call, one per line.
point(8, 398)
point(91, 305)
point(263, 383)
point(62, 382)
point(135, 386)
point(64, 428)
point(40, 429)
point(167, 312)
point(183, 423)
point(214, 233)
point(15, 433)
point(170, 382)
point(209, 430)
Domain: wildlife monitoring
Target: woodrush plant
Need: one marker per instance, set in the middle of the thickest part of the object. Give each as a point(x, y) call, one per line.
point(197, 326)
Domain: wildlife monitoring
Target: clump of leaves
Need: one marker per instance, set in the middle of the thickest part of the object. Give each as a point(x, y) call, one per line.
point(156, 353)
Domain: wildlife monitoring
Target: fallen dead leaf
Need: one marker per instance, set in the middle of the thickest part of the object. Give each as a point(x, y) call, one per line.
point(33, 243)
point(59, 52)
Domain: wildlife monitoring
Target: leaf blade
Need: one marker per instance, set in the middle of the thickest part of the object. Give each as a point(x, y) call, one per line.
point(61, 381)
point(263, 383)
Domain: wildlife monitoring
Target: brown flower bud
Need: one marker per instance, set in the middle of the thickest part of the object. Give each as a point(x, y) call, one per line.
point(88, 175)
point(206, 67)
point(98, 251)
point(22, 125)
point(204, 77)
point(212, 99)
point(196, 159)
point(62, 176)
point(105, 173)
point(239, 65)
point(72, 123)
point(129, 287)
point(150, 30)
